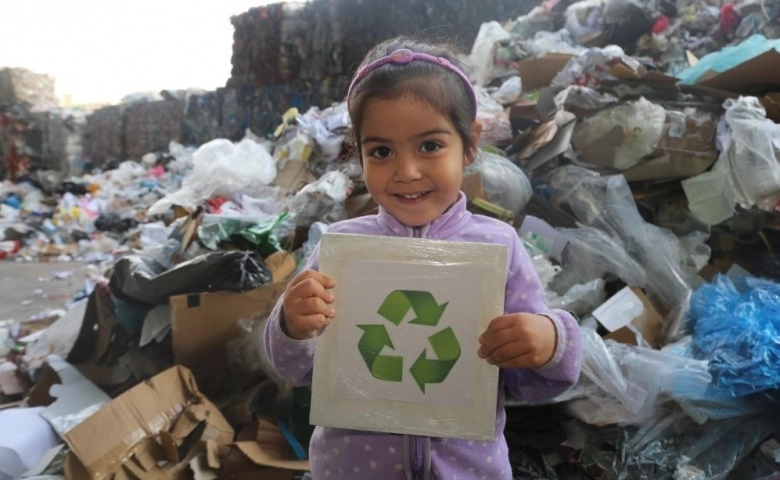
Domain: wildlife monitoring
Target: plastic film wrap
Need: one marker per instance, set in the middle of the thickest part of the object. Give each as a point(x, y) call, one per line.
point(400, 356)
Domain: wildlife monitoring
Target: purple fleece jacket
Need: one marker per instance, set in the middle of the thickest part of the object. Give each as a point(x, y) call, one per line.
point(357, 455)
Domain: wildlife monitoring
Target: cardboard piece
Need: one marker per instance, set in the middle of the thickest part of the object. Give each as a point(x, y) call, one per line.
point(686, 148)
point(565, 123)
point(630, 309)
point(375, 274)
point(69, 397)
point(538, 73)
point(202, 324)
point(282, 265)
point(262, 450)
point(123, 435)
point(293, 176)
point(97, 328)
point(757, 75)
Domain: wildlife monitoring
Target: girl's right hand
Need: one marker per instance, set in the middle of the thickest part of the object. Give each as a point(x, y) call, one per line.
point(308, 304)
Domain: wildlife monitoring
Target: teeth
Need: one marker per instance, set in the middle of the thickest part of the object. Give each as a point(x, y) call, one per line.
point(410, 196)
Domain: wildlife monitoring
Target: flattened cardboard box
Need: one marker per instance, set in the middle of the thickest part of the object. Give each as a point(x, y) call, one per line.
point(261, 451)
point(203, 323)
point(163, 419)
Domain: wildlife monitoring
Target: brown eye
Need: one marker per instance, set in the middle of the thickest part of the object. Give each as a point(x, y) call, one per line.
point(381, 152)
point(430, 147)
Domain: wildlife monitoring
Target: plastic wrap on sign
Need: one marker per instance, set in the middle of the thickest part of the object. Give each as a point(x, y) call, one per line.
point(401, 353)
point(141, 280)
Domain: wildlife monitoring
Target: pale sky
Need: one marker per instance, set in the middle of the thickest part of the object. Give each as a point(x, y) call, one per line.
point(102, 50)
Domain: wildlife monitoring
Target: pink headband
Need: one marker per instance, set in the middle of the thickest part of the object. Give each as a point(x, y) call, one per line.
point(405, 56)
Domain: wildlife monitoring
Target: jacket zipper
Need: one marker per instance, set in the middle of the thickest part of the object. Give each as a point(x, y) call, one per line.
point(417, 461)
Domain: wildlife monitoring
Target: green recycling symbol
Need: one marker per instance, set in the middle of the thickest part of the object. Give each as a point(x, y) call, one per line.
point(424, 370)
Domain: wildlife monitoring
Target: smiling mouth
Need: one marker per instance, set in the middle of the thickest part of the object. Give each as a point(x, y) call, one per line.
point(411, 196)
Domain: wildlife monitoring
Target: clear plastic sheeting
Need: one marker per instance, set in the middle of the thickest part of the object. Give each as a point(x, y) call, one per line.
point(626, 385)
point(322, 200)
point(583, 98)
point(606, 203)
point(509, 91)
point(592, 67)
point(221, 168)
point(483, 51)
point(735, 325)
point(580, 299)
point(641, 125)
point(496, 127)
point(591, 254)
point(584, 19)
point(553, 42)
point(675, 447)
point(752, 153)
point(504, 183)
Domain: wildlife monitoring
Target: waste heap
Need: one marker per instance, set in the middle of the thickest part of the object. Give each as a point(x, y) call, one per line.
point(645, 189)
point(37, 138)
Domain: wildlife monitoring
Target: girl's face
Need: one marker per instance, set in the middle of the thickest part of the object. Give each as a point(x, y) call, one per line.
point(413, 159)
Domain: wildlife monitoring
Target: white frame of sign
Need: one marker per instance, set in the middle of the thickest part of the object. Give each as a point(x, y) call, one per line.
point(485, 265)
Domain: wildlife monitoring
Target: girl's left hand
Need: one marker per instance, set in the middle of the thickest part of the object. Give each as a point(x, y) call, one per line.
point(519, 340)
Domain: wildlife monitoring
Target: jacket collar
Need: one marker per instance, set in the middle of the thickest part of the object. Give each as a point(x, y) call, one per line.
point(452, 221)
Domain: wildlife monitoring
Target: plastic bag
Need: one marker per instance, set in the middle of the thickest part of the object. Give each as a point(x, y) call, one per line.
point(496, 127)
point(580, 299)
point(607, 204)
point(483, 51)
point(735, 326)
point(504, 183)
point(221, 168)
point(641, 123)
point(728, 58)
point(591, 254)
point(675, 447)
point(322, 200)
point(584, 18)
point(583, 98)
point(553, 42)
point(752, 153)
point(592, 67)
point(509, 91)
point(632, 381)
point(142, 280)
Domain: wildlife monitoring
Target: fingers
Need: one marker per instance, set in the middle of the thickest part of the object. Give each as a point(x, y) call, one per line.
point(324, 280)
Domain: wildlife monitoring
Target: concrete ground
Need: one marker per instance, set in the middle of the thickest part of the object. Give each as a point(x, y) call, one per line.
point(19, 282)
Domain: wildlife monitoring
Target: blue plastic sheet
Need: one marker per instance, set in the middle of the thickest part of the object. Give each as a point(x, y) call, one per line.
point(736, 326)
point(728, 58)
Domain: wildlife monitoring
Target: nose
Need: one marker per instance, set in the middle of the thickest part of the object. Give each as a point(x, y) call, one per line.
point(407, 168)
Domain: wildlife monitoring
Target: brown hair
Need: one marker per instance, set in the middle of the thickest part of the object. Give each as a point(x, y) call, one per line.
point(440, 88)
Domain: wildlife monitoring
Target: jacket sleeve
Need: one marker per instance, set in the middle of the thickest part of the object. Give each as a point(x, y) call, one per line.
point(292, 359)
point(525, 294)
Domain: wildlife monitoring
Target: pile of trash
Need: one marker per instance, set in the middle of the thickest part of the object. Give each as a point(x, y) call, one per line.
point(648, 201)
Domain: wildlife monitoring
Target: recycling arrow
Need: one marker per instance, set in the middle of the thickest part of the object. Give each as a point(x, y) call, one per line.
point(384, 367)
point(445, 346)
point(397, 305)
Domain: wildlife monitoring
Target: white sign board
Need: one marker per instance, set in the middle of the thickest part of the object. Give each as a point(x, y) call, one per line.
point(400, 356)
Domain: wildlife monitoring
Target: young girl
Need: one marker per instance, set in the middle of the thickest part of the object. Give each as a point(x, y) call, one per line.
point(414, 117)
